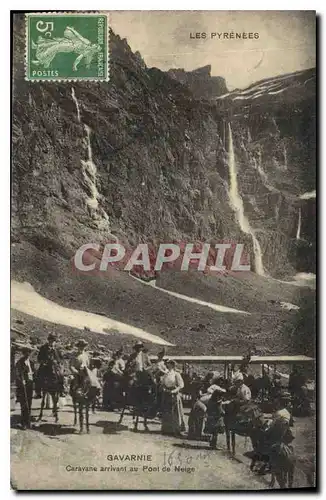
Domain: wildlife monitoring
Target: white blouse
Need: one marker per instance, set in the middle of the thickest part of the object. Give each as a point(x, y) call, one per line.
point(172, 380)
point(80, 361)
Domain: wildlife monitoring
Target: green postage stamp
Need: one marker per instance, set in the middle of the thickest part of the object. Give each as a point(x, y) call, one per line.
point(67, 47)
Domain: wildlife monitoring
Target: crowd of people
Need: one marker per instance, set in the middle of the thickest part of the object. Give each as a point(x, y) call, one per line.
point(115, 373)
point(108, 377)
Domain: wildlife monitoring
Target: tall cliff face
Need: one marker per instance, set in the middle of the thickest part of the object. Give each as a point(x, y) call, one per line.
point(274, 123)
point(156, 150)
point(142, 158)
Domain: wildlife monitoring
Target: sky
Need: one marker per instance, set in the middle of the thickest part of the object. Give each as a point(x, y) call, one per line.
point(286, 41)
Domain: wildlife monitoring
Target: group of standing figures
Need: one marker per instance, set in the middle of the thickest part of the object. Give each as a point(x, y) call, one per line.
point(152, 389)
point(148, 388)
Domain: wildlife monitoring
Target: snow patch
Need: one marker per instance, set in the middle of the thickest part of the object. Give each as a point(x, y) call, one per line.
point(216, 307)
point(26, 300)
point(288, 306)
point(308, 195)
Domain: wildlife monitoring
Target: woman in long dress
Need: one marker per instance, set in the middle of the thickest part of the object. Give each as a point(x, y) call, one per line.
point(172, 409)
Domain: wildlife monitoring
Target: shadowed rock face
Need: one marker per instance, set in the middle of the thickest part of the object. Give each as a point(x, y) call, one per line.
point(274, 128)
point(161, 159)
point(200, 82)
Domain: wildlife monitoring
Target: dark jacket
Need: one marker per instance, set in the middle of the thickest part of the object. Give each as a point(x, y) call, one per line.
point(132, 363)
point(22, 372)
point(48, 353)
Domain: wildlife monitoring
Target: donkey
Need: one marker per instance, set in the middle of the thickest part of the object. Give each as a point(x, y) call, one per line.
point(83, 395)
point(141, 394)
point(50, 386)
point(243, 421)
point(273, 448)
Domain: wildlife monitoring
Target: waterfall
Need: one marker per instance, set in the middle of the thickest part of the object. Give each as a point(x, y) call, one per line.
point(264, 177)
point(285, 156)
point(89, 172)
point(74, 98)
point(299, 225)
point(90, 175)
point(236, 204)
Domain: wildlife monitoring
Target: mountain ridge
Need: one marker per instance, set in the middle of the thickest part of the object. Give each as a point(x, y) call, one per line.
point(141, 159)
point(161, 158)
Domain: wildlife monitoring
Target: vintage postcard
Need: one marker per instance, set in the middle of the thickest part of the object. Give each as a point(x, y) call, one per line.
point(163, 250)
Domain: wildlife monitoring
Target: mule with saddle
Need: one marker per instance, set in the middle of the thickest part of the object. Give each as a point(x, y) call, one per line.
point(271, 442)
point(84, 387)
point(141, 396)
point(49, 379)
point(84, 391)
point(225, 412)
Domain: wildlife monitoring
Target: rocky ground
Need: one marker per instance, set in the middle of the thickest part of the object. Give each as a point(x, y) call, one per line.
point(160, 159)
point(39, 457)
point(268, 327)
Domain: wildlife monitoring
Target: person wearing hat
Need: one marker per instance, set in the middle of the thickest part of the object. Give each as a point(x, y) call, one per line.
point(24, 385)
point(49, 358)
point(113, 380)
point(235, 371)
point(81, 359)
point(158, 368)
point(95, 365)
point(138, 361)
point(215, 415)
point(172, 409)
point(243, 394)
point(199, 411)
point(119, 363)
point(244, 365)
point(94, 379)
point(279, 431)
point(282, 406)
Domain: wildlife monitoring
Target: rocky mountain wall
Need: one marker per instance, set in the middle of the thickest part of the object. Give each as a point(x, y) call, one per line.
point(143, 159)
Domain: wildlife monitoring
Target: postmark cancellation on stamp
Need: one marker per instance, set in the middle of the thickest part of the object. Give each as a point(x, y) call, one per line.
point(67, 47)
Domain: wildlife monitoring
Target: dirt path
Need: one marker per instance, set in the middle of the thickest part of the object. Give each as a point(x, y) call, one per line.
point(41, 458)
